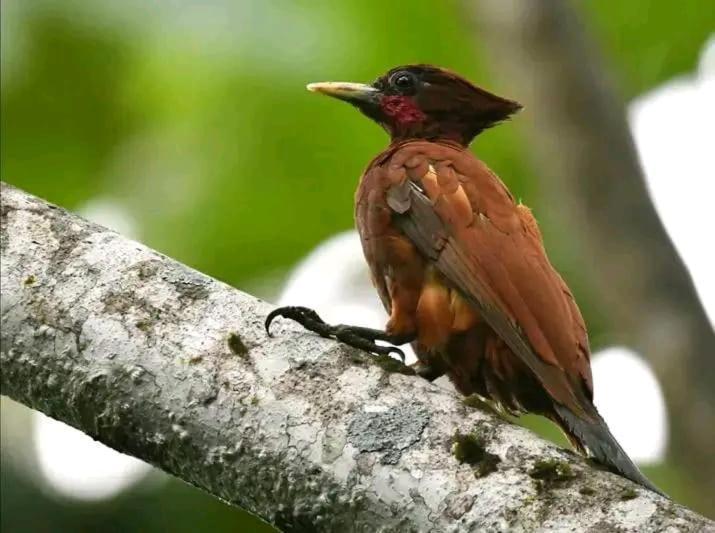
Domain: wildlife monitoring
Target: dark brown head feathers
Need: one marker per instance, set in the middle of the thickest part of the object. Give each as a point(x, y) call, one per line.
point(425, 102)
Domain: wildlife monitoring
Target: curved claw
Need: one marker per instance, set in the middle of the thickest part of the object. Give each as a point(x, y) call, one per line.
point(303, 315)
point(358, 337)
point(398, 352)
point(271, 316)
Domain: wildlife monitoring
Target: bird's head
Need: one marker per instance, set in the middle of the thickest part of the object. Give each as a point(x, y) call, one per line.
point(424, 102)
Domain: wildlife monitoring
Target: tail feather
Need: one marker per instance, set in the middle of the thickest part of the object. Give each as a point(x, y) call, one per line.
point(597, 439)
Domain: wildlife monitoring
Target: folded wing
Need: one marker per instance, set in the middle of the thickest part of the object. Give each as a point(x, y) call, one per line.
point(489, 248)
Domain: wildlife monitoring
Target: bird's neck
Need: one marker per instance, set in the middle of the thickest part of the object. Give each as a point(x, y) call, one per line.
point(451, 140)
point(433, 131)
point(396, 144)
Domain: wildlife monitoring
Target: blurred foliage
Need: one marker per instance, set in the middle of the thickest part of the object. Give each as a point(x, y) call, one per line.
point(193, 117)
point(649, 41)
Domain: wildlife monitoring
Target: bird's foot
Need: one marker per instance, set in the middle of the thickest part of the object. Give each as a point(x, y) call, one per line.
point(355, 336)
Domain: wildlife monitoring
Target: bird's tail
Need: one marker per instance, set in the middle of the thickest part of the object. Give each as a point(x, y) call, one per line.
point(596, 438)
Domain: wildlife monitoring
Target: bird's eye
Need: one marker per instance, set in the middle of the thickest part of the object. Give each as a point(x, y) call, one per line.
point(403, 81)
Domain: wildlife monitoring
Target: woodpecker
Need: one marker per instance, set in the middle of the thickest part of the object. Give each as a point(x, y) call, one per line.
point(460, 266)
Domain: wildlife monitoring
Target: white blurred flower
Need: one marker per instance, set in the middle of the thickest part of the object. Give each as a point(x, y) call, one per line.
point(75, 466)
point(630, 399)
point(674, 130)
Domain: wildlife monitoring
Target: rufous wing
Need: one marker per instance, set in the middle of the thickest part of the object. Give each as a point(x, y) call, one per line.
point(501, 267)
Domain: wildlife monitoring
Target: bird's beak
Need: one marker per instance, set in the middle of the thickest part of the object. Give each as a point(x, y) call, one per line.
point(349, 92)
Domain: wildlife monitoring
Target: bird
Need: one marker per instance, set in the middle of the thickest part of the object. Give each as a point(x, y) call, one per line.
point(460, 266)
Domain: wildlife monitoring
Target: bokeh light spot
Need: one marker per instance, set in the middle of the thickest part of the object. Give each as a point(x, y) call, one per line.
point(77, 467)
point(630, 399)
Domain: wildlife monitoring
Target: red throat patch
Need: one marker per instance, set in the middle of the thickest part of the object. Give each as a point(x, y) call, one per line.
point(402, 109)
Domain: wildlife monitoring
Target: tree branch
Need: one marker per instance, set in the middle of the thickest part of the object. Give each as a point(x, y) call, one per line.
point(166, 364)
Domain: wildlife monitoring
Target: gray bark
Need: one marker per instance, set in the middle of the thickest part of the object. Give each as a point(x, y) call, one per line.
point(586, 159)
point(166, 364)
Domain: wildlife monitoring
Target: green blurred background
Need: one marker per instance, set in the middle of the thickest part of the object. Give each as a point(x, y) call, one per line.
point(192, 118)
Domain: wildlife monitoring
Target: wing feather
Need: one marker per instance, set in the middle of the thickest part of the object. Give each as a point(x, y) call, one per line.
point(483, 263)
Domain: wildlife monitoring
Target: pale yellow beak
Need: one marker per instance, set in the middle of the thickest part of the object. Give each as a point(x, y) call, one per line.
point(343, 90)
